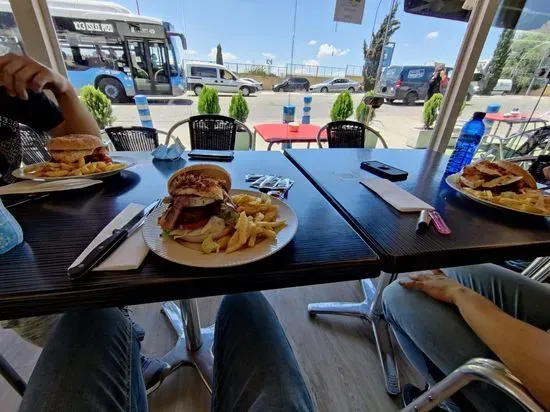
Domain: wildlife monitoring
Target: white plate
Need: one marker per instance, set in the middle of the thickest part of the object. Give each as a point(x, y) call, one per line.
point(452, 181)
point(171, 250)
point(32, 186)
point(127, 161)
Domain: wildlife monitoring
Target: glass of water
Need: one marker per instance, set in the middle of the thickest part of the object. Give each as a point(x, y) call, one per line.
point(11, 233)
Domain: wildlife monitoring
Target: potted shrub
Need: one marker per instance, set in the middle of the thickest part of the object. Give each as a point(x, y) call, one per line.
point(209, 102)
point(238, 110)
point(364, 114)
point(342, 107)
point(429, 116)
point(98, 105)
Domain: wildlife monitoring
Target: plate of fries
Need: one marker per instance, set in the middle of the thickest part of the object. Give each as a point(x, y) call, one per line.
point(59, 171)
point(264, 226)
point(529, 201)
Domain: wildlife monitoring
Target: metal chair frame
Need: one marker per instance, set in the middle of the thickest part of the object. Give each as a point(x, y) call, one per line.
point(367, 128)
point(240, 125)
point(139, 129)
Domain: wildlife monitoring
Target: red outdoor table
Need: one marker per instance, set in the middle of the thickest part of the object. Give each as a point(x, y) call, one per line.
point(520, 118)
point(273, 133)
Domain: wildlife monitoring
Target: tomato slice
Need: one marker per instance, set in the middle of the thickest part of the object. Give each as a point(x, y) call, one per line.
point(194, 225)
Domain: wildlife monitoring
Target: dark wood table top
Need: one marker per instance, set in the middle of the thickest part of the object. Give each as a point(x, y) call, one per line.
point(57, 229)
point(479, 233)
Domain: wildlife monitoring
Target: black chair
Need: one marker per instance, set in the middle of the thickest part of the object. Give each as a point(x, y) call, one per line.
point(33, 145)
point(534, 140)
point(135, 138)
point(212, 132)
point(347, 134)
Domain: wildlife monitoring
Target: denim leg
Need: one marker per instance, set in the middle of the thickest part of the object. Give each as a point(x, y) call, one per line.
point(436, 330)
point(254, 366)
point(90, 363)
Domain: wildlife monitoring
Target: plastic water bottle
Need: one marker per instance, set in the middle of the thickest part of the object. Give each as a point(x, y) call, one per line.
point(11, 233)
point(466, 144)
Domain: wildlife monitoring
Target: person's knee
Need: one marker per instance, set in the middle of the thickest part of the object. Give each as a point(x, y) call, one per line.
point(242, 302)
point(401, 305)
point(92, 320)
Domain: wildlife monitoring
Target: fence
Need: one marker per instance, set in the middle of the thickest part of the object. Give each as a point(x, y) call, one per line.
point(295, 69)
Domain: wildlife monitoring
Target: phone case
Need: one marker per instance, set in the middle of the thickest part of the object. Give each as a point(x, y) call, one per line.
point(383, 170)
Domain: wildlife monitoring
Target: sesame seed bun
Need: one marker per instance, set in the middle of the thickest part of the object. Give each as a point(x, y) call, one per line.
point(74, 142)
point(516, 170)
point(208, 171)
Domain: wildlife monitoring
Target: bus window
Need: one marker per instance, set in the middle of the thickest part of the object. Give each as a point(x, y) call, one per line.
point(9, 35)
point(157, 51)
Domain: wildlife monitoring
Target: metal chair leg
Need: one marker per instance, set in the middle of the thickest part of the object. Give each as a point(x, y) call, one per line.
point(13, 378)
point(194, 344)
point(371, 310)
point(539, 269)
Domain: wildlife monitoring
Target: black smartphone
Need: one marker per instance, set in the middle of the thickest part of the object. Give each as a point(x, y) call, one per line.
point(383, 170)
point(219, 155)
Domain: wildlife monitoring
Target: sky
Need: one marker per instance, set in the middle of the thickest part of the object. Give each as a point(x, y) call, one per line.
point(252, 30)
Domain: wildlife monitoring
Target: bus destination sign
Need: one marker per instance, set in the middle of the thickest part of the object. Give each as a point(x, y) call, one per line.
point(95, 27)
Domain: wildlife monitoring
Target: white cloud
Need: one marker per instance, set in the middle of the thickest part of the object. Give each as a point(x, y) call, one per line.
point(226, 55)
point(326, 49)
point(432, 35)
point(311, 62)
point(268, 55)
point(312, 42)
point(248, 61)
point(191, 52)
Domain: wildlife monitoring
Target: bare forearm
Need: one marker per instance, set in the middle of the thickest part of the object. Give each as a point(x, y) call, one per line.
point(77, 118)
point(523, 348)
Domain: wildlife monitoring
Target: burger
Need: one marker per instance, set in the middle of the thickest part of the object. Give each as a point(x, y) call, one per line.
point(198, 204)
point(77, 148)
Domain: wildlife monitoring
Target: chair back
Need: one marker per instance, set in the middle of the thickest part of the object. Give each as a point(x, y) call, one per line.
point(537, 139)
point(344, 134)
point(212, 132)
point(133, 139)
point(33, 145)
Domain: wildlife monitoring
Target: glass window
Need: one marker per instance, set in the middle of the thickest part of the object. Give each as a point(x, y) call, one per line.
point(10, 41)
point(202, 71)
point(227, 75)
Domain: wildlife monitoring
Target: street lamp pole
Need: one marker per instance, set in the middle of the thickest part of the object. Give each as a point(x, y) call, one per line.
point(137, 5)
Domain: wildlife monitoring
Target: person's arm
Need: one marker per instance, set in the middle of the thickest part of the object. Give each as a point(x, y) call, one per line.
point(18, 74)
point(523, 348)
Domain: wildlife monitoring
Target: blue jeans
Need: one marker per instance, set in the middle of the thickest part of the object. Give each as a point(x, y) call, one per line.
point(92, 362)
point(437, 340)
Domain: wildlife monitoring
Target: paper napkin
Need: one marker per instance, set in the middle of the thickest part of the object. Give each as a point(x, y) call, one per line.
point(130, 253)
point(396, 196)
point(172, 152)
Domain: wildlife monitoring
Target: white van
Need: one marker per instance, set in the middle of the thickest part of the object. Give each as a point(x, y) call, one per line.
point(218, 77)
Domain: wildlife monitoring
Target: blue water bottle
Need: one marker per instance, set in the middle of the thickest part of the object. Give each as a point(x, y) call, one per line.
point(466, 144)
point(11, 233)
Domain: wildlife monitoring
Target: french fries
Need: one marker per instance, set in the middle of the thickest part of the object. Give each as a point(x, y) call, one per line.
point(257, 221)
point(533, 201)
point(80, 168)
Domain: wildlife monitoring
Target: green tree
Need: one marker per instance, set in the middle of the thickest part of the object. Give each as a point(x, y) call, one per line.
point(209, 102)
point(373, 52)
point(219, 55)
point(496, 65)
point(526, 52)
point(431, 110)
point(342, 107)
point(238, 109)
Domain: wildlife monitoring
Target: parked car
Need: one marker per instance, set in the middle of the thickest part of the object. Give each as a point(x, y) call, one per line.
point(218, 77)
point(407, 83)
point(255, 82)
point(336, 84)
point(291, 84)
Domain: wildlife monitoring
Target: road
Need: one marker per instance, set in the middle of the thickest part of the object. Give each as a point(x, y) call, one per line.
point(395, 122)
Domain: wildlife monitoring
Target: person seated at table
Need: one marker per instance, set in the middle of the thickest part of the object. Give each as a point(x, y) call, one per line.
point(22, 100)
point(442, 320)
point(254, 366)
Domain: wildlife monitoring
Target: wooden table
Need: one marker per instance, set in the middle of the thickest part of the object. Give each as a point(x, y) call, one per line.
point(273, 133)
point(33, 278)
point(479, 233)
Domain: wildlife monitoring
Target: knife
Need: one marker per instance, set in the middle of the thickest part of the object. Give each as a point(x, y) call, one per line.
point(105, 248)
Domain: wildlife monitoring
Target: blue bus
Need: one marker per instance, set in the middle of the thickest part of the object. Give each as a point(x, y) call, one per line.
point(119, 53)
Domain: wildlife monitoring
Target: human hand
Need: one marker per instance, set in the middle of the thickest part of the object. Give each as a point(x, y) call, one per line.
point(436, 285)
point(21, 73)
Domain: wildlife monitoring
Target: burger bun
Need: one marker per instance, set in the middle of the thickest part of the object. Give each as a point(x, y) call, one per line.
point(205, 170)
point(74, 142)
point(199, 238)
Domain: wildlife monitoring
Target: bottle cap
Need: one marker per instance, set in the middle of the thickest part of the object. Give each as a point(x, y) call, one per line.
point(479, 115)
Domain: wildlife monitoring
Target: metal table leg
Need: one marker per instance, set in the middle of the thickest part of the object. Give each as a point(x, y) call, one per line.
point(13, 378)
point(194, 345)
point(371, 310)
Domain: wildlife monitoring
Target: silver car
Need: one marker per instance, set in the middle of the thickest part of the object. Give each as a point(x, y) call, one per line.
point(337, 84)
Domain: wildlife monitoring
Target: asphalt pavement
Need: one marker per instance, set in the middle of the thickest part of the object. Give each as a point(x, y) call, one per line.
point(396, 122)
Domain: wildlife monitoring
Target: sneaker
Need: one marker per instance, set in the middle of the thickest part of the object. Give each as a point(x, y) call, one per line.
point(411, 392)
point(154, 371)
